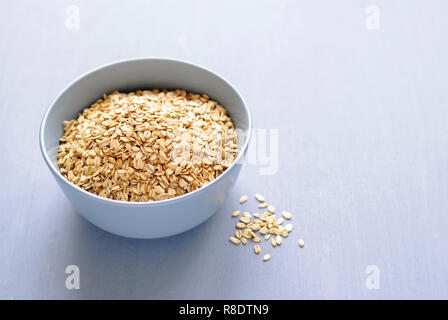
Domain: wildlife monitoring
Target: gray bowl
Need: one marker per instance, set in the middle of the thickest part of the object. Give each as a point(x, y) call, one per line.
point(144, 219)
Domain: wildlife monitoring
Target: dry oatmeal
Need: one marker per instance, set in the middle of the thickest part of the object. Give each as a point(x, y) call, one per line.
point(147, 145)
point(266, 224)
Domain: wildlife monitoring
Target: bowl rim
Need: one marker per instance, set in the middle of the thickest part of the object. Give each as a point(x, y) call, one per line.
point(96, 197)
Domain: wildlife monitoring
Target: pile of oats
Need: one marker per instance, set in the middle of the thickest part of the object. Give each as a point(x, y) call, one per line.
point(265, 225)
point(147, 145)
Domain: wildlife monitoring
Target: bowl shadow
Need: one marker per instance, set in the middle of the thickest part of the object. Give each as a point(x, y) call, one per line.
point(115, 267)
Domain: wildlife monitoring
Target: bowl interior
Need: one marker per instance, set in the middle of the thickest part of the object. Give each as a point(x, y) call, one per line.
point(136, 74)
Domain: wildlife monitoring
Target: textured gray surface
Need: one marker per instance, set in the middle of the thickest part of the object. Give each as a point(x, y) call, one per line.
point(362, 119)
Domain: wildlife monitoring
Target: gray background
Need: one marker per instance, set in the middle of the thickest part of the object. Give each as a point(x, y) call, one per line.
point(362, 120)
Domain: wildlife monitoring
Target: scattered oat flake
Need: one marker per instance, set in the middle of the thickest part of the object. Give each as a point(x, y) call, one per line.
point(234, 240)
point(247, 214)
point(243, 241)
point(240, 225)
point(256, 239)
point(271, 209)
point(262, 205)
point(288, 227)
point(259, 197)
point(287, 215)
point(243, 199)
point(266, 257)
point(236, 213)
point(301, 243)
point(257, 249)
point(278, 240)
point(245, 220)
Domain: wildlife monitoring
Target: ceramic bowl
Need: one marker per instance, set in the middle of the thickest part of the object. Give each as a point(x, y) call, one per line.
point(144, 220)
